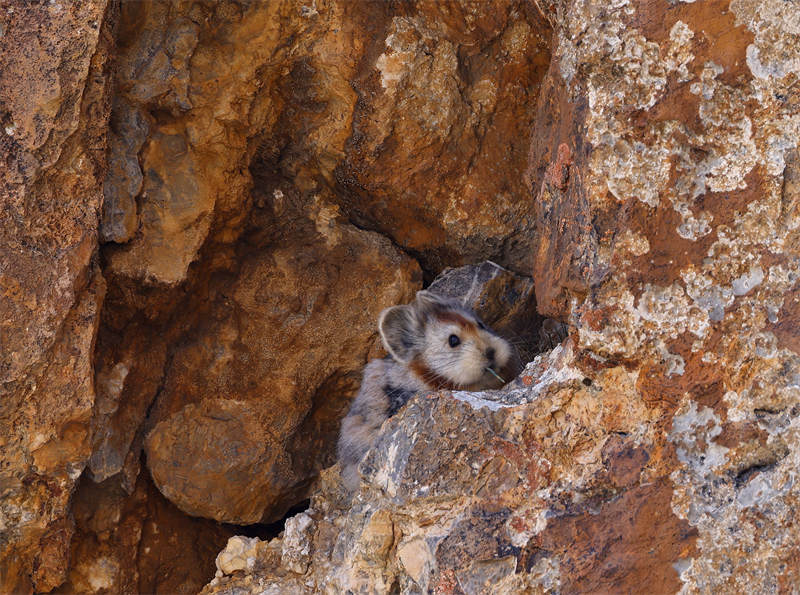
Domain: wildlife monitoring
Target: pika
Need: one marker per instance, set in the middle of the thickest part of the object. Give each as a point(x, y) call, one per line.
point(433, 343)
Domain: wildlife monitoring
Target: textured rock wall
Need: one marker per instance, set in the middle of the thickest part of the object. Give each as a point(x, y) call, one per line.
point(54, 109)
point(690, 274)
point(195, 195)
point(656, 449)
point(235, 163)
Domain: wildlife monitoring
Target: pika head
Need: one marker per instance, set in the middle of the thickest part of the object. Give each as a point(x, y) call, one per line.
point(445, 344)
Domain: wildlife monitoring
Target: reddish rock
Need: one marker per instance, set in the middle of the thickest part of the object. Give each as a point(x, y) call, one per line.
point(532, 488)
point(54, 98)
point(612, 548)
point(215, 461)
point(660, 453)
point(671, 218)
point(639, 158)
point(137, 542)
point(446, 103)
point(272, 351)
point(567, 242)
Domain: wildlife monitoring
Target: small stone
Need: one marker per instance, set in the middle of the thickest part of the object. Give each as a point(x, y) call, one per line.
point(237, 555)
point(296, 544)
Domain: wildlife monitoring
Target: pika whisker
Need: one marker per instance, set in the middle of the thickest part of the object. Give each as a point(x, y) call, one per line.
point(495, 374)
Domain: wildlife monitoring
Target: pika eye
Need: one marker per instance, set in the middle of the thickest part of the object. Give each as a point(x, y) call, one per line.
point(454, 341)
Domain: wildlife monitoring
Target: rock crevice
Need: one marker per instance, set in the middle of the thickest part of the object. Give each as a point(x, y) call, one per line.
point(205, 205)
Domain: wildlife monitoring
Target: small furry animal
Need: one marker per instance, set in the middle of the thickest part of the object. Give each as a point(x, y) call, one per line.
point(433, 343)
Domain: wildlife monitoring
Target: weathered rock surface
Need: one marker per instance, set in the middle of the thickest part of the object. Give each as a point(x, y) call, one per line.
point(278, 349)
point(553, 483)
point(680, 224)
point(639, 157)
point(185, 173)
point(137, 542)
point(417, 136)
point(656, 449)
point(53, 110)
point(441, 131)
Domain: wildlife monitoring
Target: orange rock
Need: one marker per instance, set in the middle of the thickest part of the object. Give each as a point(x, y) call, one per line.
point(252, 396)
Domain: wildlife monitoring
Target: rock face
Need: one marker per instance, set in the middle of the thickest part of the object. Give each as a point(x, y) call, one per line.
point(275, 356)
point(137, 542)
point(656, 449)
point(204, 162)
point(683, 253)
point(435, 158)
point(53, 111)
point(551, 484)
point(205, 205)
point(338, 109)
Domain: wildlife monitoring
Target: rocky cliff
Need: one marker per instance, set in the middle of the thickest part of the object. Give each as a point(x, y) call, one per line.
point(206, 204)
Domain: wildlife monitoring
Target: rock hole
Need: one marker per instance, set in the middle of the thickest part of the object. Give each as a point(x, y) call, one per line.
point(267, 531)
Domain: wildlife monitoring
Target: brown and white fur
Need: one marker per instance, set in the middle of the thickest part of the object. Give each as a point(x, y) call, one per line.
point(433, 343)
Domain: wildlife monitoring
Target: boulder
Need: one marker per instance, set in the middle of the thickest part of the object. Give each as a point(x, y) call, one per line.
point(251, 397)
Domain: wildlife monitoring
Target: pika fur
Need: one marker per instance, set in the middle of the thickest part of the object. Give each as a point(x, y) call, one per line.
point(433, 343)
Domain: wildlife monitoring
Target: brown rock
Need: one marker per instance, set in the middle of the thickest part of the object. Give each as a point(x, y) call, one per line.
point(672, 263)
point(45, 446)
point(137, 542)
point(128, 131)
point(613, 549)
point(194, 113)
point(128, 377)
point(424, 165)
point(53, 110)
point(511, 502)
point(656, 448)
point(567, 247)
point(270, 356)
point(51, 565)
point(657, 213)
point(215, 460)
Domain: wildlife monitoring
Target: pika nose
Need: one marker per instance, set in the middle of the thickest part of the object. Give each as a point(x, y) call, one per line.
point(490, 354)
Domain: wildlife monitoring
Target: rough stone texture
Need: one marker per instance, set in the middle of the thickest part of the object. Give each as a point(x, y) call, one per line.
point(228, 142)
point(657, 449)
point(341, 95)
point(440, 133)
point(53, 111)
point(553, 483)
point(639, 157)
point(690, 263)
point(230, 440)
point(172, 147)
point(137, 542)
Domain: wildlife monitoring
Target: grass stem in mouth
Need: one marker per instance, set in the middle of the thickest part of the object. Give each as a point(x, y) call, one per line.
point(496, 375)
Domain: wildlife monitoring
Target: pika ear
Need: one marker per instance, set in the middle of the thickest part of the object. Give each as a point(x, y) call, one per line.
point(427, 301)
point(399, 329)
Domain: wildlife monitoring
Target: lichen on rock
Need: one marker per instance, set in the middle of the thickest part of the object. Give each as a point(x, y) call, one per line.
point(205, 205)
point(654, 448)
